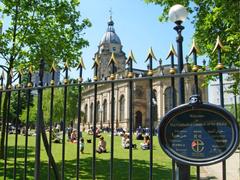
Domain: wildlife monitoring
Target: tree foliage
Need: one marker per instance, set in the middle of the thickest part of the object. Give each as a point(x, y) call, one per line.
point(49, 29)
point(58, 106)
point(35, 29)
point(211, 19)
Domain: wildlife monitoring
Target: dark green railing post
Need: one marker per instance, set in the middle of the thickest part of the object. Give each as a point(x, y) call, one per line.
point(80, 67)
point(17, 122)
point(172, 71)
point(38, 123)
point(95, 78)
point(112, 63)
point(220, 66)
point(29, 85)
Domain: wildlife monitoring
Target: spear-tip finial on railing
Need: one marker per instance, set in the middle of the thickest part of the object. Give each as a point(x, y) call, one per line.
point(30, 70)
point(171, 52)
point(20, 74)
point(194, 48)
point(129, 61)
point(53, 68)
point(218, 45)
point(150, 56)
point(30, 73)
point(66, 68)
point(81, 66)
point(112, 62)
point(95, 66)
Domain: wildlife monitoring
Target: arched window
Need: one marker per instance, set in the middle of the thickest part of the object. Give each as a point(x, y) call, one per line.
point(169, 99)
point(155, 108)
point(91, 113)
point(85, 113)
point(105, 110)
point(122, 108)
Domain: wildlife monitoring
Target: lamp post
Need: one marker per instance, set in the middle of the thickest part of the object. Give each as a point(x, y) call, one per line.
point(178, 14)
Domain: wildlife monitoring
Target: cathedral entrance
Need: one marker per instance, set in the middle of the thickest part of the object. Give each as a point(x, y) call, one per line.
point(138, 119)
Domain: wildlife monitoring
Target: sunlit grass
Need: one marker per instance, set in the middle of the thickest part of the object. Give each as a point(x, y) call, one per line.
point(162, 167)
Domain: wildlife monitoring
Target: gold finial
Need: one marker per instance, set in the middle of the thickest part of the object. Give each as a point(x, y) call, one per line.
point(195, 68)
point(171, 52)
point(20, 71)
point(130, 75)
point(81, 64)
point(53, 68)
point(150, 72)
point(29, 84)
point(113, 59)
point(65, 81)
point(80, 79)
point(219, 66)
point(150, 54)
point(52, 82)
point(194, 48)
point(130, 57)
point(95, 78)
point(112, 77)
point(218, 44)
point(96, 61)
point(30, 70)
point(172, 70)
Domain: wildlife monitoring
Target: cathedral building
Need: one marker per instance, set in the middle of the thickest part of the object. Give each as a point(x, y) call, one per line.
point(162, 98)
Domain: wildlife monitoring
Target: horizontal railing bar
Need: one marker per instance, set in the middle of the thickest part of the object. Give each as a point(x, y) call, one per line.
point(127, 79)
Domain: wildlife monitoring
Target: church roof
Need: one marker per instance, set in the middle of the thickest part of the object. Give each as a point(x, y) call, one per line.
point(110, 36)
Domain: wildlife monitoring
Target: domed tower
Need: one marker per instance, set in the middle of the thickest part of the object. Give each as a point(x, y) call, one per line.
point(109, 44)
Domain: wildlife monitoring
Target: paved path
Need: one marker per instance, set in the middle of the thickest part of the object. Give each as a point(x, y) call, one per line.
point(214, 172)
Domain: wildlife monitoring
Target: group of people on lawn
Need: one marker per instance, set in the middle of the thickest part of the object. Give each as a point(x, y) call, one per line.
point(145, 145)
point(126, 142)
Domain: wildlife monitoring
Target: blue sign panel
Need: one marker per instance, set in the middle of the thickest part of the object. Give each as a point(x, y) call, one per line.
point(198, 134)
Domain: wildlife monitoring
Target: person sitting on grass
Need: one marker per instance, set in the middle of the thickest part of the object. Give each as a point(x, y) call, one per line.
point(146, 143)
point(81, 145)
point(73, 136)
point(101, 145)
point(125, 141)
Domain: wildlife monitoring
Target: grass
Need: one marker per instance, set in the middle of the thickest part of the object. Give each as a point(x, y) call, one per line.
point(162, 168)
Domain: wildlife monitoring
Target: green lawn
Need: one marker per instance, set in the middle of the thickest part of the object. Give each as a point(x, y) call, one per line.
point(161, 163)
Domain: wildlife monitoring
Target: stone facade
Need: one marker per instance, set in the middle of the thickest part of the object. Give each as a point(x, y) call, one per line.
point(162, 99)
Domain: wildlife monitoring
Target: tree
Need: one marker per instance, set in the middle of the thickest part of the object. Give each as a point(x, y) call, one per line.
point(72, 96)
point(211, 19)
point(48, 29)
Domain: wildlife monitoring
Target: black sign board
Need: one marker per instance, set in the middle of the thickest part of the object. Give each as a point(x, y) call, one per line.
point(198, 134)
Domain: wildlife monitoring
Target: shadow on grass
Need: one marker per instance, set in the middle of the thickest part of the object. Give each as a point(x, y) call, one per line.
point(140, 168)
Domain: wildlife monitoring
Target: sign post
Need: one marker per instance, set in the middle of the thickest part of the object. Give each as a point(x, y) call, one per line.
point(198, 134)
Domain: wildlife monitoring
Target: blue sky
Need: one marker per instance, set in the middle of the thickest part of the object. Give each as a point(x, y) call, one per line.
point(137, 25)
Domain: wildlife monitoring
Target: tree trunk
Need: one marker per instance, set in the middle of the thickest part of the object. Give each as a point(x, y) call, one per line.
point(46, 145)
point(3, 130)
